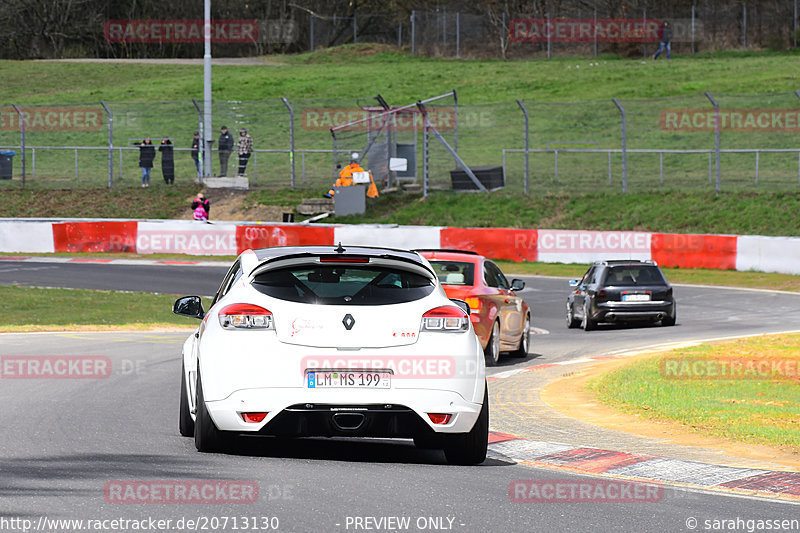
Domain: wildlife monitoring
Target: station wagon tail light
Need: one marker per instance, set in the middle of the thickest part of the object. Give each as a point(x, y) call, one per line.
point(439, 418)
point(245, 316)
point(447, 318)
point(474, 304)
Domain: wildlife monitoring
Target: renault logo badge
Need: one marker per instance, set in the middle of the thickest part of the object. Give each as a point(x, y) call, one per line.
point(348, 321)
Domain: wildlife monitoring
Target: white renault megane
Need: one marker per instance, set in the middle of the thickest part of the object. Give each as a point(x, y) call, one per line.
point(324, 341)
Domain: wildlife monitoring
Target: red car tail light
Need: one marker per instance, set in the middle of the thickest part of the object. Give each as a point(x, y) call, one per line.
point(254, 418)
point(439, 418)
point(475, 304)
point(245, 316)
point(445, 318)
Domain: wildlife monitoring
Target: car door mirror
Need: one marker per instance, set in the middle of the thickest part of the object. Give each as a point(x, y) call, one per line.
point(191, 306)
point(517, 284)
point(464, 306)
point(574, 282)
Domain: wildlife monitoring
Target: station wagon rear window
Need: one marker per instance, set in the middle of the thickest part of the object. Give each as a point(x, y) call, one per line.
point(343, 285)
point(634, 275)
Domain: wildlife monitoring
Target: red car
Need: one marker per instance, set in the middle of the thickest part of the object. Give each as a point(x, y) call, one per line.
point(501, 319)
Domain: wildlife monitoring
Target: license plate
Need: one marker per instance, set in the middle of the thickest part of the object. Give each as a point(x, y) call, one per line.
point(635, 297)
point(349, 380)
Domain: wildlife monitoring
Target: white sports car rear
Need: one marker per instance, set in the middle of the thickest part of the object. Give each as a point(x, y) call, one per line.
point(323, 341)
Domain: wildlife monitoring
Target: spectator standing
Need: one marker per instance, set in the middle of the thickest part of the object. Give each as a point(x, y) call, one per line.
point(167, 161)
point(245, 149)
point(147, 154)
point(201, 207)
point(664, 38)
point(196, 152)
point(225, 149)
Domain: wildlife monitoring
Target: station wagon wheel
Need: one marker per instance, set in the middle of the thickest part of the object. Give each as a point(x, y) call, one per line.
point(572, 322)
point(587, 323)
point(492, 350)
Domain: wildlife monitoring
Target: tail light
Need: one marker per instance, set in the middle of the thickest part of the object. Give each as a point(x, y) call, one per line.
point(445, 318)
point(669, 293)
point(602, 294)
point(475, 304)
point(439, 418)
point(245, 316)
point(254, 418)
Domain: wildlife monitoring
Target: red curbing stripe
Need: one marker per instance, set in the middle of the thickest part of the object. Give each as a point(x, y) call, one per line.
point(13, 258)
point(496, 436)
point(82, 260)
point(540, 367)
point(593, 459)
point(177, 262)
point(776, 482)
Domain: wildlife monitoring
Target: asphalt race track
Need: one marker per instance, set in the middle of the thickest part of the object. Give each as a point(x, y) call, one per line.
point(68, 444)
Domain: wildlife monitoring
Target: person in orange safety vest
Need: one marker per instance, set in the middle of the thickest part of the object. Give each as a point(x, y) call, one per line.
point(346, 178)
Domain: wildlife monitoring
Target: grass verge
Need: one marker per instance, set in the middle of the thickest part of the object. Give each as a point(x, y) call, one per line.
point(756, 406)
point(38, 309)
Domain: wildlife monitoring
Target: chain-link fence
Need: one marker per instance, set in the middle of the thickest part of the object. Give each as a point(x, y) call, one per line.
point(730, 142)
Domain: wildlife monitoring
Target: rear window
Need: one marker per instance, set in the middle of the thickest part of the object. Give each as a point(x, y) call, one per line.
point(344, 285)
point(634, 275)
point(454, 272)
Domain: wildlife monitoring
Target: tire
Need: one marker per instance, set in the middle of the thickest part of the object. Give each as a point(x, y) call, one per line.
point(207, 438)
point(587, 323)
point(185, 422)
point(572, 322)
point(470, 448)
point(492, 350)
point(522, 349)
point(670, 320)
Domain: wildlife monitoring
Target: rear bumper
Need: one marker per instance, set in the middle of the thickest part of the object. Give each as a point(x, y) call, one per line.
point(355, 413)
point(633, 311)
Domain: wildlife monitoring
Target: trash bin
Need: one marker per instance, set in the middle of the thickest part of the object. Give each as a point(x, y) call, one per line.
point(6, 163)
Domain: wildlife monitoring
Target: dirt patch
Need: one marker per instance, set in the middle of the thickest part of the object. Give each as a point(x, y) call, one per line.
point(569, 396)
point(228, 205)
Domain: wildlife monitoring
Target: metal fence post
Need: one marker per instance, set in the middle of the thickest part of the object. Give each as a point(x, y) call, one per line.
point(527, 145)
point(744, 24)
point(503, 37)
point(291, 136)
point(110, 144)
point(624, 145)
point(547, 18)
point(201, 154)
point(644, 25)
point(794, 24)
point(413, 29)
point(693, 18)
point(22, 138)
point(424, 157)
point(311, 32)
point(716, 135)
point(458, 34)
point(595, 32)
point(455, 119)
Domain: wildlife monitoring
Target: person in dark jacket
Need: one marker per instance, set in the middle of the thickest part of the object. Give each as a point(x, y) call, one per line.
point(196, 152)
point(664, 37)
point(225, 148)
point(167, 161)
point(147, 154)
